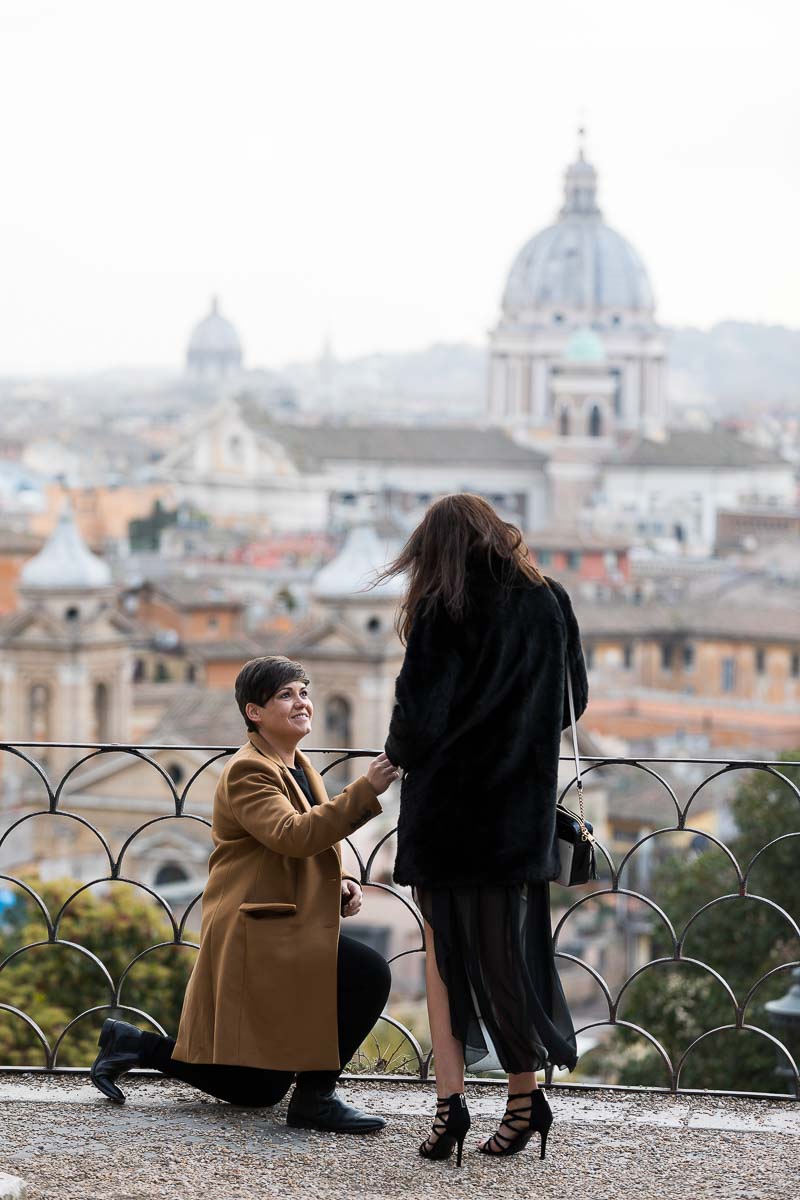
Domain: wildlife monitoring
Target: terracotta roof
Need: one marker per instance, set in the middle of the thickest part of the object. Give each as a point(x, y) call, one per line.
point(224, 650)
point(739, 622)
point(200, 717)
point(188, 591)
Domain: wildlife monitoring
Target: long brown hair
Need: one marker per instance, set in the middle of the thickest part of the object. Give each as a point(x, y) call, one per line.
point(454, 531)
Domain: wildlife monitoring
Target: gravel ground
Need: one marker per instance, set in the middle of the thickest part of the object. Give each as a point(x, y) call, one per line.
point(68, 1143)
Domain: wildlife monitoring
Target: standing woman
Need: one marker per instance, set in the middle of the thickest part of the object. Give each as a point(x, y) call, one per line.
point(480, 706)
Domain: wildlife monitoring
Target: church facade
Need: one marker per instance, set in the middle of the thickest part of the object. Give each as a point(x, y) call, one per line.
point(577, 352)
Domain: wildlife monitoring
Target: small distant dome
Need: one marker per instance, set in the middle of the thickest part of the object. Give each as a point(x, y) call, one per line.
point(354, 568)
point(584, 346)
point(65, 562)
point(214, 346)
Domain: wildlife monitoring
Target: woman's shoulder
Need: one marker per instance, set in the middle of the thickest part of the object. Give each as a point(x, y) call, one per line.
point(546, 601)
point(248, 760)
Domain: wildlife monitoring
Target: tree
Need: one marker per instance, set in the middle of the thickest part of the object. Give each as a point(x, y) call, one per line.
point(741, 939)
point(54, 983)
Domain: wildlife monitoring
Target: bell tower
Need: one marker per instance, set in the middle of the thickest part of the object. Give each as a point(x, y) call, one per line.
point(65, 656)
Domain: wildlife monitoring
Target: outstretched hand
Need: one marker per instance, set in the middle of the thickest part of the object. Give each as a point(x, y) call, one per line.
point(382, 773)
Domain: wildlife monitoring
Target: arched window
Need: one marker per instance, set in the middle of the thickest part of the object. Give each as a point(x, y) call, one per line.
point(338, 732)
point(39, 712)
point(138, 670)
point(563, 423)
point(170, 873)
point(338, 715)
point(101, 713)
point(175, 772)
point(595, 423)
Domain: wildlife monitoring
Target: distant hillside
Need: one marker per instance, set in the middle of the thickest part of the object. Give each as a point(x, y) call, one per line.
point(757, 366)
point(733, 364)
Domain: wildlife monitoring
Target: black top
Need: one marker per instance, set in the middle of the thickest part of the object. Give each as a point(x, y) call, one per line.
point(301, 780)
point(480, 706)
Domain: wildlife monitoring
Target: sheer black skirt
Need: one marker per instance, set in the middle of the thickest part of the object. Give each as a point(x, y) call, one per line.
point(494, 951)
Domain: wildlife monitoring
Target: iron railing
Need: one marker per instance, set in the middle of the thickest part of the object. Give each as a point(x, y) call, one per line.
point(38, 796)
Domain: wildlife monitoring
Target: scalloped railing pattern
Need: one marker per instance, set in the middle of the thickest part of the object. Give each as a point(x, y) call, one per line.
point(408, 1054)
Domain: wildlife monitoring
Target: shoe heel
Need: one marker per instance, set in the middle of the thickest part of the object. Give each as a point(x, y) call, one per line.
point(544, 1134)
point(460, 1145)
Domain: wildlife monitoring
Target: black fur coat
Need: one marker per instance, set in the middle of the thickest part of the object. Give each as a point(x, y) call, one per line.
point(479, 709)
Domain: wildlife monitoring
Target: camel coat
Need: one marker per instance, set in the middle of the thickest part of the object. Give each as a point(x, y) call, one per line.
point(263, 989)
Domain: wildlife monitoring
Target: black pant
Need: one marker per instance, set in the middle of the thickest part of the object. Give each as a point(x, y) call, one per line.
point(363, 980)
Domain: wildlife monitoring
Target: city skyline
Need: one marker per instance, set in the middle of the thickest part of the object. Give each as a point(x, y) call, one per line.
point(334, 174)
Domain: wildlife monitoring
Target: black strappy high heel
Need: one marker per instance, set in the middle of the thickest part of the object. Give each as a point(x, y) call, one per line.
point(536, 1116)
point(450, 1127)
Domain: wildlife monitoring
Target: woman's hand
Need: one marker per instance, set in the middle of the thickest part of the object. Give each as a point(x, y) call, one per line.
point(351, 898)
point(382, 773)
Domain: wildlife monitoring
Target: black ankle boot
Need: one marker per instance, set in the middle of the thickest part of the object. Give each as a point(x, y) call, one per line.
point(119, 1045)
point(326, 1111)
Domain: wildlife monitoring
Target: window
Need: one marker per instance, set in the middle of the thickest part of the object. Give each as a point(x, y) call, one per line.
point(588, 654)
point(212, 623)
point(338, 733)
point(573, 560)
point(627, 656)
point(558, 318)
point(162, 672)
point(761, 661)
point(169, 873)
point(545, 558)
point(72, 614)
point(175, 772)
point(563, 423)
point(39, 712)
point(729, 674)
point(688, 657)
point(796, 666)
point(595, 423)
point(667, 650)
point(138, 670)
point(374, 624)
point(101, 713)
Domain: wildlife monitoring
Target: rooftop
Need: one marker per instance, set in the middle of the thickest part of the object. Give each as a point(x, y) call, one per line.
point(697, 448)
point(459, 444)
point(68, 1143)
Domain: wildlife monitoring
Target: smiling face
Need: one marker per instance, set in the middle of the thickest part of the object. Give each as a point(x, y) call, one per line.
point(286, 717)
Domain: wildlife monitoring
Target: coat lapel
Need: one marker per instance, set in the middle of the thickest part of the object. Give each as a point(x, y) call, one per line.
point(293, 787)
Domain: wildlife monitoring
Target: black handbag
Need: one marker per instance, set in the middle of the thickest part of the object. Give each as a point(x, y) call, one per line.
point(575, 834)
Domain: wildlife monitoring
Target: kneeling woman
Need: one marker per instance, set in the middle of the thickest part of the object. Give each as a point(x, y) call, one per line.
point(276, 993)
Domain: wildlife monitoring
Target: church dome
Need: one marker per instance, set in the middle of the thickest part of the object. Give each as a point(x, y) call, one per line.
point(65, 562)
point(214, 345)
point(579, 262)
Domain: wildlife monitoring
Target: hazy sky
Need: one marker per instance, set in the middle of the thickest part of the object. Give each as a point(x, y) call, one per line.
point(370, 169)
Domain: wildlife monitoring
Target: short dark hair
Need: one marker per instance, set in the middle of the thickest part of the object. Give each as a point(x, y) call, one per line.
point(260, 678)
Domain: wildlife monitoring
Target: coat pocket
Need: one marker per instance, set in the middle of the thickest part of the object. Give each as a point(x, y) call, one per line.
point(274, 908)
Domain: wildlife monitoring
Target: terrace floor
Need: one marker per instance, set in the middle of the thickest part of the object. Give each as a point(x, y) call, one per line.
point(68, 1143)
